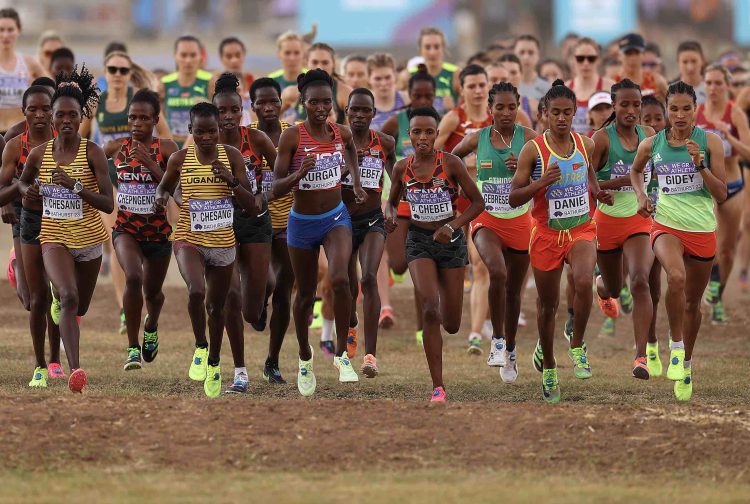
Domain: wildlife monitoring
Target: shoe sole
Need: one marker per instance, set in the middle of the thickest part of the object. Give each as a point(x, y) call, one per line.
point(149, 360)
point(509, 381)
point(641, 374)
point(130, 366)
point(369, 371)
point(230, 391)
point(496, 365)
point(474, 351)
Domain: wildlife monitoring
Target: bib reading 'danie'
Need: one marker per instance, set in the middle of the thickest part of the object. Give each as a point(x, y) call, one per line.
point(567, 200)
point(326, 174)
point(211, 214)
point(61, 203)
point(136, 198)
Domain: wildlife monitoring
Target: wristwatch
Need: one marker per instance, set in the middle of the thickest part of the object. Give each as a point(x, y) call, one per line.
point(77, 187)
point(701, 166)
point(234, 183)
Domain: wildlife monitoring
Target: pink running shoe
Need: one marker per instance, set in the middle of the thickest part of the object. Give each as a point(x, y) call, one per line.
point(438, 395)
point(77, 380)
point(55, 370)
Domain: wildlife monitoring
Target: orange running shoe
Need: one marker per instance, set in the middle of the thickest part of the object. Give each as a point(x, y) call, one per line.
point(351, 342)
point(438, 395)
point(55, 370)
point(610, 307)
point(640, 369)
point(387, 318)
point(77, 380)
point(370, 366)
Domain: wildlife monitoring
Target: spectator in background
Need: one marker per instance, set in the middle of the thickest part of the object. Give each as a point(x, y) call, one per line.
point(567, 46)
point(62, 61)
point(532, 86)
point(586, 81)
point(599, 110)
point(652, 59)
point(49, 42)
point(354, 70)
point(731, 59)
point(632, 46)
point(551, 70)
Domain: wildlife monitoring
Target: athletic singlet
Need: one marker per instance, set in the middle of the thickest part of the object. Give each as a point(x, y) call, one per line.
point(526, 107)
point(25, 150)
point(278, 76)
point(66, 217)
point(431, 200)
point(648, 86)
point(404, 147)
point(178, 100)
point(619, 162)
point(581, 119)
point(702, 121)
point(565, 204)
point(253, 162)
point(298, 113)
point(684, 202)
point(465, 127)
point(207, 211)
point(381, 116)
point(326, 174)
point(372, 161)
point(136, 192)
point(443, 86)
point(112, 125)
point(279, 208)
point(493, 177)
point(13, 84)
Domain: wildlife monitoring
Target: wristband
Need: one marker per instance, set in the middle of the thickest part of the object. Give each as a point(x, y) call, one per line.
point(701, 167)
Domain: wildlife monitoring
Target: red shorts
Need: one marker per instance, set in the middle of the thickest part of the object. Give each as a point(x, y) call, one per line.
point(549, 248)
point(697, 245)
point(613, 232)
point(404, 210)
point(514, 233)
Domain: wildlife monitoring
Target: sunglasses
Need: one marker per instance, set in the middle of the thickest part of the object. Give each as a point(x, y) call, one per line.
point(112, 70)
point(650, 64)
point(590, 58)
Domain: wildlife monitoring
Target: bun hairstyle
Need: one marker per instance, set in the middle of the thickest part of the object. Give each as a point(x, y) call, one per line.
point(559, 90)
point(315, 76)
point(227, 83)
point(79, 85)
point(421, 75)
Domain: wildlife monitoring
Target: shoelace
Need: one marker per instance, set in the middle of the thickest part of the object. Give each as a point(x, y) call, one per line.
point(149, 337)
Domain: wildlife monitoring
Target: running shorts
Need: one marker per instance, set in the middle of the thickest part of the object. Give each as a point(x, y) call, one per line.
point(515, 233)
point(309, 231)
point(84, 254)
point(212, 256)
point(149, 249)
point(370, 222)
point(16, 228)
point(696, 245)
point(549, 248)
point(31, 226)
point(249, 229)
point(613, 232)
point(420, 245)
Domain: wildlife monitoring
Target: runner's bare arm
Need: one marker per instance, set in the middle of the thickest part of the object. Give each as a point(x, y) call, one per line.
point(389, 145)
point(282, 180)
point(599, 160)
point(390, 126)
point(448, 125)
point(642, 157)
point(242, 192)
point(397, 187)
point(456, 169)
point(714, 177)
point(467, 146)
point(522, 189)
point(741, 144)
point(601, 195)
point(8, 190)
point(103, 199)
point(169, 180)
point(352, 160)
point(267, 151)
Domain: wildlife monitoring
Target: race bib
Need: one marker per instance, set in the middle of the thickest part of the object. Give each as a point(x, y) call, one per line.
point(136, 198)
point(678, 178)
point(568, 201)
point(370, 173)
point(326, 174)
point(211, 214)
point(250, 171)
point(428, 206)
point(61, 203)
point(623, 170)
point(495, 194)
point(11, 90)
point(267, 180)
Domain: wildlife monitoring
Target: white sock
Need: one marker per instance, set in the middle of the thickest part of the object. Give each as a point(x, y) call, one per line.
point(677, 345)
point(327, 333)
point(240, 371)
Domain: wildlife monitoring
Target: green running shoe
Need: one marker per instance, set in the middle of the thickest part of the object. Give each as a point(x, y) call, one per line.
point(550, 386)
point(123, 323)
point(419, 335)
point(676, 369)
point(317, 315)
point(538, 357)
point(134, 359)
point(398, 278)
point(39, 380)
point(581, 365)
point(711, 296)
point(212, 383)
point(475, 345)
point(54, 309)
point(345, 369)
point(305, 377)
point(150, 343)
point(197, 370)
point(626, 300)
point(683, 389)
point(653, 359)
point(568, 334)
point(608, 328)
point(718, 315)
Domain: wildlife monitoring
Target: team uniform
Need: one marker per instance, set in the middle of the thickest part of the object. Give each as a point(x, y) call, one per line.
point(112, 126)
point(279, 208)
point(443, 86)
point(465, 127)
point(30, 215)
point(13, 84)
point(248, 228)
point(581, 120)
point(616, 223)
point(561, 211)
point(178, 100)
point(735, 186)
point(278, 76)
point(381, 116)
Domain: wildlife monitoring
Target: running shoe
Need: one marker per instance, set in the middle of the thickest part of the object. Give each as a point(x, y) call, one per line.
point(654, 361)
point(744, 284)
point(77, 380)
point(581, 365)
point(509, 371)
point(351, 342)
point(346, 371)
point(305, 377)
point(568, 328)
point(608, 328)
point(438, 395)
point(198, 365)
point(640, 369)
point(212, 383)
point(398, 278)
point(676, 369)
point(317, 315)
point(711, 295)
point(475, 344)
point(718, 314)
point(328, 348)
point(550, 386)
point(272, 374)
point(150, 343)
point(239, 385)
point(54, 309)
point(55, 370)
point(537, 358)
point(134, 359)
point(609, 307)
point(626, 299)
point(419, 335)
point(497, 355)
point(387, 318)
point(683, 389)
point(123, 323)
point(39, 380)
point(370, 366)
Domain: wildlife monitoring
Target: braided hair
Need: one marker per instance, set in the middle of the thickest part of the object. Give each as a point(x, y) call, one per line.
point(227, 83)
point(681, 87)
point(623, 84)
point(315, 76)
point(79, 85)
point(503, 87)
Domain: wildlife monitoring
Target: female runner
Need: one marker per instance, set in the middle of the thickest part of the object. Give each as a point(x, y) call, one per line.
point(381, 76)
point(586, 81)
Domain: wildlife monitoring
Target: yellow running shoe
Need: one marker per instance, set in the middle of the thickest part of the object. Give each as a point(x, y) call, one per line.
point(317, 315)
point(54, 309)
point(419, 337)
point(212, 383)
point(198, 365)
point(40, 378)
point(653, 359)
point(683, 389)
point(676, 369)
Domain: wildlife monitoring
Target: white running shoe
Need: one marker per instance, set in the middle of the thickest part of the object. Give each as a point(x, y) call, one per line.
point(497, 353)
point(305, 377)
point(509, 372)
point(346, 371)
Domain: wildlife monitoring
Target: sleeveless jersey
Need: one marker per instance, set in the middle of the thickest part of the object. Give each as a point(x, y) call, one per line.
point(372, 161)
point(684, 202)
point(619, 162)
point(136, 192)
point(326, 174)
point(279, 208)
point(431, 200)
point(581, 120)
point(207, 211)
point(702, 121)
point(465, 127)
point(443, 87)
point(13, 84)
point(381, 116)
point(493, 177)
point(404, 147)
point(179, 100)
point(66, 217)
point(253, 162)
point(112, 125)
point(278, 76)
point(564, 204)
